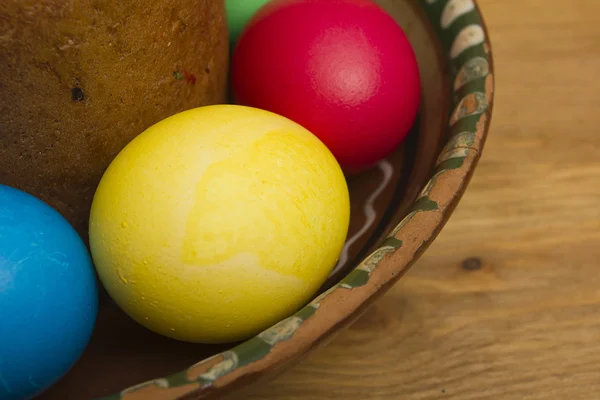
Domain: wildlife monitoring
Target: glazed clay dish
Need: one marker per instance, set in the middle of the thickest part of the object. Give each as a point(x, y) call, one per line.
point(397, 210)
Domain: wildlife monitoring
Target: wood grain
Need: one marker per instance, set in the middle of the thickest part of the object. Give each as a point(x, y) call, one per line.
point(521, 318)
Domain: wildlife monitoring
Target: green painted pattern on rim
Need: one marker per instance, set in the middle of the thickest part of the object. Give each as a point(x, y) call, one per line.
point(460, 28)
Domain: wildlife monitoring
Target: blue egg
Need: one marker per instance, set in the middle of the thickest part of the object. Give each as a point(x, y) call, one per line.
point(48, 295)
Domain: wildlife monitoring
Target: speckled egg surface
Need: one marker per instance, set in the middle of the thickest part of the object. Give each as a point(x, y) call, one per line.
point(343, 69)
point(48, 295)
point(217, 222)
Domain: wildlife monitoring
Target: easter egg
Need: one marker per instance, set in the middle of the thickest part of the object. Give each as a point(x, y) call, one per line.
point(343, 69)
point(239, 13)
point(217, 222)
point(48, 295)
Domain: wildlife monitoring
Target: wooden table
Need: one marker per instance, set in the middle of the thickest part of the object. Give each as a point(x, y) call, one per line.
point(506, 303)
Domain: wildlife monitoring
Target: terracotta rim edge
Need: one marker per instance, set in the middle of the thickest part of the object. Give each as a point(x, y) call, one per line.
point(464, 38)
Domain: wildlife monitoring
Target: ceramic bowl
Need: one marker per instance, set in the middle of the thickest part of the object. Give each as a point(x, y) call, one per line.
point(398, 209)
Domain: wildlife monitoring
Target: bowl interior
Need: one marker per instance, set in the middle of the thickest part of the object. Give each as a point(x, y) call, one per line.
point(121, 353)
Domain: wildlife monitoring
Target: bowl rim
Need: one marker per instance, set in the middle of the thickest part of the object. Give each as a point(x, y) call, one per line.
point(466, 49)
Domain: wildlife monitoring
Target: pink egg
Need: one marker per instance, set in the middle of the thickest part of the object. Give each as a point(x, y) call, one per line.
point(343, 69)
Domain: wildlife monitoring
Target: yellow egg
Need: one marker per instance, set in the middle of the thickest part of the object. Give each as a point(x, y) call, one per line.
point(217, 222)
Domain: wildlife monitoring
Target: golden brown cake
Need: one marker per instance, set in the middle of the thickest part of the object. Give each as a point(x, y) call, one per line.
point(80, 79)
